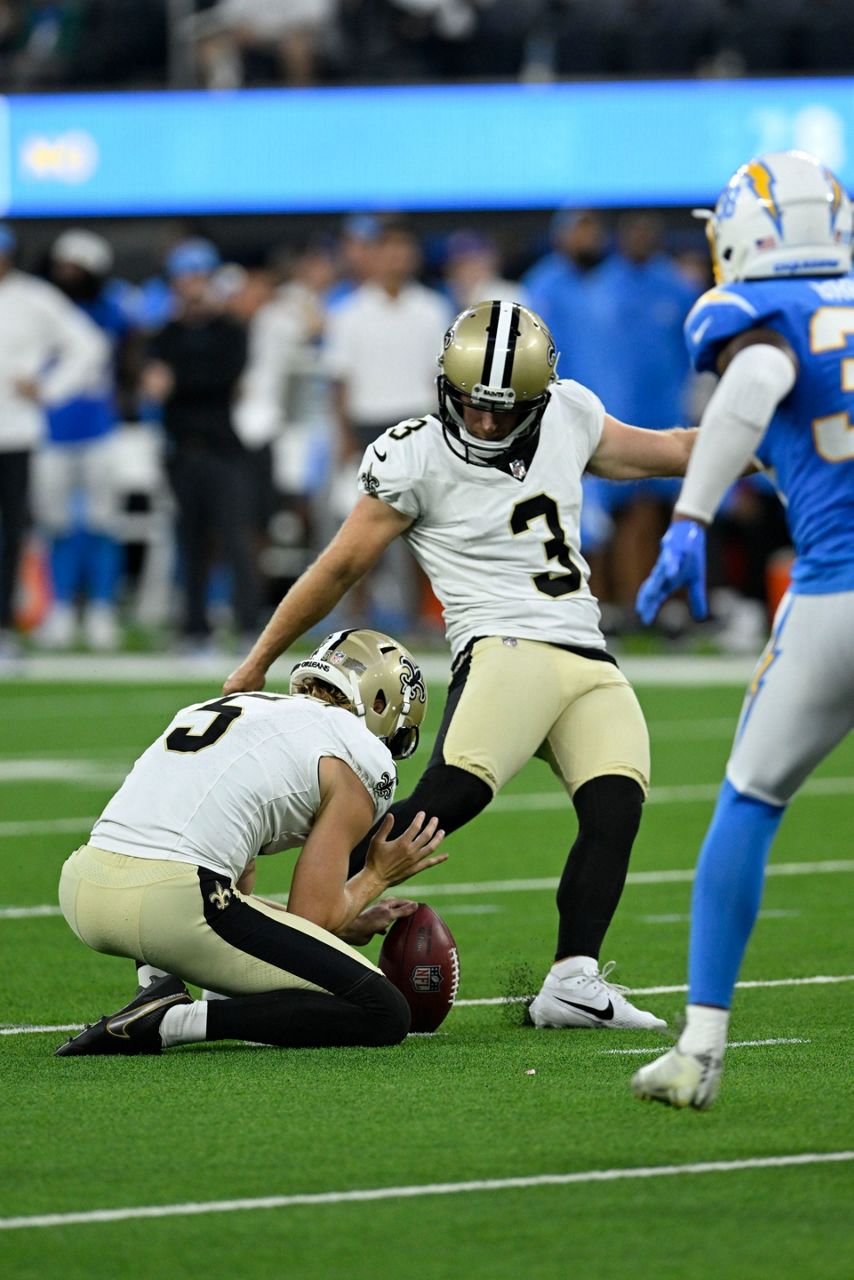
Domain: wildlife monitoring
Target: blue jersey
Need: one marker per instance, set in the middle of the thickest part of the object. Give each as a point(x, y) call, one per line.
point(92, 414)
point(810, 439)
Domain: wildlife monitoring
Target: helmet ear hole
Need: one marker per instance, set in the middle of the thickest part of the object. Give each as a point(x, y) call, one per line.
point(380, 701)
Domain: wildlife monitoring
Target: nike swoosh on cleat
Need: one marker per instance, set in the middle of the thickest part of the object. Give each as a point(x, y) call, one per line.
point(382, 456)
point(605, 1014)
point(117, 1026)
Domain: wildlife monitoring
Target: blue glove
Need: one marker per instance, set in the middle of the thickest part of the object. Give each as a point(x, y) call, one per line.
point(681, 563)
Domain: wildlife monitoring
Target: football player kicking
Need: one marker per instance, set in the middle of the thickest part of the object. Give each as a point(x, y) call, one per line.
point(167, 877)
point(780, 331)
point(487, 494)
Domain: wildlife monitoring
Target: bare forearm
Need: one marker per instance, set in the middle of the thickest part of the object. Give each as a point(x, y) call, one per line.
point(634, 453)
point(338, 914)
point(309, 600)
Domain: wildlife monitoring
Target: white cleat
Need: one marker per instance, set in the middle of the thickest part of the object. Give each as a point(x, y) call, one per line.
point(583, 997)
point(680, 1079)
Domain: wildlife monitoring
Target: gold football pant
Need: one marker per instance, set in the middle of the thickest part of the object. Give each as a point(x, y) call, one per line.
point(192, 922)
point(514, 699)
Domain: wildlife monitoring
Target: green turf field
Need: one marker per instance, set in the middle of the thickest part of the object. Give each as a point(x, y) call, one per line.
point(484, 1101)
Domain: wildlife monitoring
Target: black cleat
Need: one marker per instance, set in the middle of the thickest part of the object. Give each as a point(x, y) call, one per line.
point(135, 1028)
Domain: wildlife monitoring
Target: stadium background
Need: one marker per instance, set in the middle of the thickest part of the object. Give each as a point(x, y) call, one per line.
point(469, 120)
point(623, 106)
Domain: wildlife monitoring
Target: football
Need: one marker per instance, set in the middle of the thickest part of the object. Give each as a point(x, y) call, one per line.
point(419, 956)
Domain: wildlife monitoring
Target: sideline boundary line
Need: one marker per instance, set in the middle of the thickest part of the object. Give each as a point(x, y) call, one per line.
point(192, 1209)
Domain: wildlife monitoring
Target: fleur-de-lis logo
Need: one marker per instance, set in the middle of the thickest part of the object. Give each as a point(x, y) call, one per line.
point(220, 898)
point(384, 786)
point(369, 482)
point(412, 681)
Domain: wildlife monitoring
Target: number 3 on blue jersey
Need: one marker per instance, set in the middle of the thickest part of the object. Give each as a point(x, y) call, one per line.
point(830, 330)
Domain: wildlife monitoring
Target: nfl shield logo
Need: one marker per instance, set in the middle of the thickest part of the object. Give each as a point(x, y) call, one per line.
point(518, 469)
point(338, 657)
point(426, 977)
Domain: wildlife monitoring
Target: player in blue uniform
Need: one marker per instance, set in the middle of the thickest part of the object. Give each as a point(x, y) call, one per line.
point(779, 328)
point(75, 488)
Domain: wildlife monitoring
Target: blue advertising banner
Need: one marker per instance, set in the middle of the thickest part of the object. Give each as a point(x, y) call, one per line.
point(424, 147)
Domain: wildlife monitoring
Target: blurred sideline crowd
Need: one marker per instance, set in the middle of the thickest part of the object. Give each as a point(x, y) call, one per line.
point(218, 44)
point(174, 450)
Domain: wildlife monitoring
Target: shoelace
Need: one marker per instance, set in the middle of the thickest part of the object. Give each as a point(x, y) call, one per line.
point(604, 973)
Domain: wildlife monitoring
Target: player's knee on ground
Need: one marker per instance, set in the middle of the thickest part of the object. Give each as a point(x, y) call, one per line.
point(390, 1017)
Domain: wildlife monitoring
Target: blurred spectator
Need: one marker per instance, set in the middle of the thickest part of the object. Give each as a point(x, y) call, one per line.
point(561, 287)
point(290, 30)
point(285, 406)
point(382, 348)
point(49, 351)
point(472, 271)
point(41, 38)
point(356, 245)
point(637, 313)
point(195, 365)
point(75, 490)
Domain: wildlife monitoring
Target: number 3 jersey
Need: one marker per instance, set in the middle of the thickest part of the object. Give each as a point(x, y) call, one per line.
point(809, 443)
point(218, 799)
point(500, 547)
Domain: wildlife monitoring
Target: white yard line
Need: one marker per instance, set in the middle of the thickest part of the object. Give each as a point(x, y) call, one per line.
point(46, 826)
point(369, 1194)
point(684, 876)
point(818, 980)
point(682, 917)
point(733, 1044)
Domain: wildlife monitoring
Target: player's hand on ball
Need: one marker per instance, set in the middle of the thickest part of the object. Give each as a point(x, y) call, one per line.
point(407, 854)
point(376, 919)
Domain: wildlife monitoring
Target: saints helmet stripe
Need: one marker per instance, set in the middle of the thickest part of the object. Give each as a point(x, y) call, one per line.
point(491, 331)
point(333, 641)
point(512, 338)
point(501, 344)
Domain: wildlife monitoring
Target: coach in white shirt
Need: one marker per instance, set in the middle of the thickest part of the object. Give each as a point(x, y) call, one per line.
point(49, 352)
point(382, 343)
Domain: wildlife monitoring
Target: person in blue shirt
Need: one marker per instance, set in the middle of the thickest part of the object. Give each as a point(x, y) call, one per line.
point(639, 290)
point(779, 328)
point(76, 496)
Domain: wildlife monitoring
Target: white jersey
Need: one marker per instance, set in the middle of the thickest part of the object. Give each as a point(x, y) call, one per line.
point(502, 551)
point(235, 777)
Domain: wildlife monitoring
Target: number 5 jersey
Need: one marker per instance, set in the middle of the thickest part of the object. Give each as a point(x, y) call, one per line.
point(236, 777)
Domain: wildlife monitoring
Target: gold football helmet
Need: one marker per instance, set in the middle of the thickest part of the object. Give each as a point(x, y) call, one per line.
point(497, 356)
point(380, 679)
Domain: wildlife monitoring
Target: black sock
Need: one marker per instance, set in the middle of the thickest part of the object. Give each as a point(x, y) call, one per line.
point(609, 814)
point(372, 1013)
point(453, 795)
